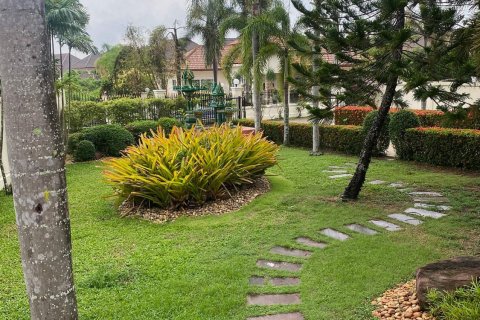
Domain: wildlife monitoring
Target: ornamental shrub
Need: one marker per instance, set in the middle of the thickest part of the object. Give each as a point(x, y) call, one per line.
point(400, 122)
point(85, 114)
point(85, 151)
point(167, 124)
point(125, 110)
point(108, 139)
point(137, 128)
point(445, 147)
point(351, 115)
point(461, 304)
point(383, 139)
point(189, 167)
point(73, 141)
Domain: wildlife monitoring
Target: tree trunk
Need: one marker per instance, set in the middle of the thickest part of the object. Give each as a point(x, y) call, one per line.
point(215, 69)
point(7, 189)
point(257, 104)
point(358, 179)
point(178, 60)
point(315, 124)
point(424, 104)
point(286, 106)
point(37, 160)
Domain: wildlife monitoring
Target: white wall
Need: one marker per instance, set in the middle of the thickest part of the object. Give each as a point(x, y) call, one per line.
point(4, 157)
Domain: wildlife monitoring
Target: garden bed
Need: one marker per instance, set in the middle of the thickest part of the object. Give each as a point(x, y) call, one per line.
point(238, 199)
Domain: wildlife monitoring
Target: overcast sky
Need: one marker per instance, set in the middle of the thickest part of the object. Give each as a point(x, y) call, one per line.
point(109, 18)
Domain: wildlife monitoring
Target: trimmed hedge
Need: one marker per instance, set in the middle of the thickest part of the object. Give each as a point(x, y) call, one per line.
point(345, 139)
point(137, 128)
point(400, 122)
point(85, 151)
point(85, 114)
point(383, 139)
point(108, 139)
point(355, 115)
point(445, 147)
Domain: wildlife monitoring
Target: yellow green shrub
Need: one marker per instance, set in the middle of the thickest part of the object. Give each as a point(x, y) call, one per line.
point(189, 167)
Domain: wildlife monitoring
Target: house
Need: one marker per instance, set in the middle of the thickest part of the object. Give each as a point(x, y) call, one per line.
point(85, 66)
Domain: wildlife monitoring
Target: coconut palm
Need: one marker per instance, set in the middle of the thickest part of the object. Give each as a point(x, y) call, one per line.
point(204, 19)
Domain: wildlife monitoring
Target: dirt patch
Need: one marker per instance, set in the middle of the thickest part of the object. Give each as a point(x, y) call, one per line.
point(400, 303)
point(237, 200)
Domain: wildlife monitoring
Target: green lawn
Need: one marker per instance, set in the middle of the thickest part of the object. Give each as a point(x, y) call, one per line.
point(198, 268)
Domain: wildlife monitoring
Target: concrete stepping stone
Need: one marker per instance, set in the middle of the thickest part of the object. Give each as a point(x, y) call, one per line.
point(430, 200)
point(279, 265)
point(311, 243)
point(377, 182)
point(334, 171)
point(291, 252)
point(425, 194)
point(277, 282)
point(337, 235)
point(361, 229)
point(273, 299)
point(425, 213)
point(386, 225)
point(338, 176)
point(432, 206)
point(405, 219)
point(280, 316)
point(396, 185)
point(336, 167)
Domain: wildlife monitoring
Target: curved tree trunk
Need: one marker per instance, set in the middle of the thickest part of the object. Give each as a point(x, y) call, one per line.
point(37, 160)
point(358, 179)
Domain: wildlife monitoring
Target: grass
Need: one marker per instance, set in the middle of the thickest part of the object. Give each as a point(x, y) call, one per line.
point(198, 268)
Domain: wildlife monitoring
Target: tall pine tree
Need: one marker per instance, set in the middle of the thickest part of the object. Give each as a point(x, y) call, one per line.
point(378, 44)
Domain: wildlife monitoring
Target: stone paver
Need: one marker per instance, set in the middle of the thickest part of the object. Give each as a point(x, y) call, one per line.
point(396, 185)
point(279, 265)
point(432, 206)
point(361, 229)
point(335, 171)
point(376, 182)
point(336, 167)
point(291, 252)
point(280, 316)
point(337, 235)
point(425, 194)
point(277, 281)
point(386, 225)
point(311, 243)
point(405, 219)
point(273, 299)
point(338, 176)
point(425, 213)
point(430, 200)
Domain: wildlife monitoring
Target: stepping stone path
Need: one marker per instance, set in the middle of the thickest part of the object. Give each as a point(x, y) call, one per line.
point(386, 225)
point(281, 316)
point(273, 299)
point(423, 200)
point(277, 282)
point(291, 252)
point(405, 219)
point(425, 213)
point(361, 229)
point(337, 235)
point(279, 265)
point(311, 243)
point(432, 206)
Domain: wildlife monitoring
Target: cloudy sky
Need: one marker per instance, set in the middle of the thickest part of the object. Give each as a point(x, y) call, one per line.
point(109, 18)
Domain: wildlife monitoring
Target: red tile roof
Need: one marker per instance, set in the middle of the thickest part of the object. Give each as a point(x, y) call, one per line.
point(195, 58)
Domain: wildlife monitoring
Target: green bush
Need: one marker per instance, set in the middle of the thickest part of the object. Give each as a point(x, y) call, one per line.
point(462, 304)
point(73, 141)
point(190, 167)
point(345, 139)
point(167, 124)
point(137, 128)
point(123, 111)
point(401, 121)
point(445, 147)
point(85, 151)
point(383, 139)
point(85, 114)
point(109, 139)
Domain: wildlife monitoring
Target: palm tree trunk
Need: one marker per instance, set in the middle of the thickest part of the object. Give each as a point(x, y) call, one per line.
point(6, 187)
point(257, 104)
point(286, 106)
point(358, 179)
point(36, 154)
point(215, 69)
point(315, 124)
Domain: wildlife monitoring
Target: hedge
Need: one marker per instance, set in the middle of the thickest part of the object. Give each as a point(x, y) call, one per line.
point(355, 115)
point(445, 147)
point(345, 139)
point(120, 111)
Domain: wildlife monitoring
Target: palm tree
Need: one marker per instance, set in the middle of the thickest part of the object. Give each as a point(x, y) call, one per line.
point(204, 19)
point(36, 153)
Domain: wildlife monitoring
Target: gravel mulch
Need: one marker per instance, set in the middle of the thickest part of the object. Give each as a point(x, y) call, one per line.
point(237, 200)
point(400, 303)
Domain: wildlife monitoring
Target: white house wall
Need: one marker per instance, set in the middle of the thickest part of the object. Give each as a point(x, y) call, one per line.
point(4, 157)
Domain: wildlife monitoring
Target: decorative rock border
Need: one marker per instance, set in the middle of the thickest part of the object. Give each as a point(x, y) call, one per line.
point(424, 204)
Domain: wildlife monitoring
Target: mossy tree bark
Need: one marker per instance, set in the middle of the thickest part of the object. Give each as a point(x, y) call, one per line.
point(37, 159)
